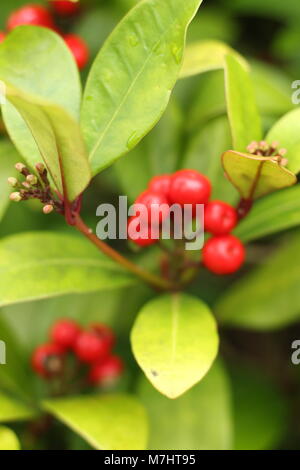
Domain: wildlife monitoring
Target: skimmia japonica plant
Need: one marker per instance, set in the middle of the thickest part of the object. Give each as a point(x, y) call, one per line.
point(239, 166)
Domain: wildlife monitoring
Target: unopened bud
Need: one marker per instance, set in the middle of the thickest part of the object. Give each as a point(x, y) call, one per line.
point(16, 197)
point(20, 167)
point(283, 161)
point(26, 185)
point(12, 181)
point(274, 144)
point(47, 209)
point(263, 145)
point(282, 152)
point(40, 167)
point(252, 148)
point(31, 179)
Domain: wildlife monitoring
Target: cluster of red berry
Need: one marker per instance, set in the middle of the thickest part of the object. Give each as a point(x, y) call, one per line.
point(223, 253)
point(90, 349)
point(41, 16)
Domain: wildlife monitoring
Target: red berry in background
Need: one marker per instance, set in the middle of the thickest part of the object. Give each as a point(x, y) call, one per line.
point(143, 235)
point(105, 333)
point(47, 360)
point(65, 7)
point(106, 373)
point(65, 333)
point(2, 36)
point(219, 218)
point(90, 348)
point(223, 254)
point(32, 15)
point(156, 205)
point(160, 184)
point(78, 48)
point(189, 187)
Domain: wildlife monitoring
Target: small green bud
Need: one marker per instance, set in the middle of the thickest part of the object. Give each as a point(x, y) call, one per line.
point(263, 145)
point(31, 179)
point(15, 197)
point(20, 167)
point(48, 209)
point(12, 181)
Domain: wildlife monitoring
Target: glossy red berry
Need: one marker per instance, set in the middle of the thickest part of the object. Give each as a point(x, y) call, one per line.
point(156, 205)
point(2, 36)
point(189, 187)
point(47, 360)
point(78, 48)
point(65, 333)
point(219, 218)
point(90, 348)
point(160, 184)
point(223, 254)
point(65, 7)
point(105, 333)
point(141, 233)
point(32, 15)
point(106, 373)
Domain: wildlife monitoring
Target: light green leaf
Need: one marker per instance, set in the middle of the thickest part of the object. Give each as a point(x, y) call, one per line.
point(58, 138)
point(199, 420)
point(242, 110)
point(130, 83)
point(52, 75)
point(287, 132)
point(107, 422)
point(8, 157)
point(44, 264)
point(203, 56)
point(13, 410)
point(269, 296)
point(259, 411)
point(8, 439)
point(254, 176)
point(271, 214)
point(175, 341)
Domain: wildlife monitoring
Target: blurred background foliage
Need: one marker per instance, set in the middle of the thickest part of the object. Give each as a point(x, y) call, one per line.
point(252, 399)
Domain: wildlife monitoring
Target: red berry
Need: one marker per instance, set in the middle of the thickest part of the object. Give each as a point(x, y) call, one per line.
point(156, 205)
point(65, 333)
point(2, 36)
point(219, 218)
point(90, 348)
point(223, 254)
point(105, 333)
point(189, 187)
point(47, 360)
point(141, 234)
point(65, 7)
point(160, 184)
point(78, 48)
point(107, 372)
point(30, 14)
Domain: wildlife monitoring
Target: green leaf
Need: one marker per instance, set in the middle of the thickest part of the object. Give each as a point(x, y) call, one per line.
point(204, 154)
point(130, 83)
point(58, 138)
point(203, 56)
point(8, 157)
point(8, 439)
point(13, 410)
point(199, 420)
point(175, 341)
point(53, 76)
point(254, 176)
point(44, 264)
point(242, 111)
point(271, 214)
point(287, 132)
point(259, 411)
point(107, 422)
point(269, 296)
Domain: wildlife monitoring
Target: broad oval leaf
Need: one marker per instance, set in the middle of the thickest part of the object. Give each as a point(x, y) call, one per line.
point(44, 264)
point(130, 83)
point(8, 439)
point(269, 296)
point(13, 410)
point(52, 75)
point(254, 176)
point(271, 214)
point(286, 131)
point(199, 420)
point(107, 422)
point(175, 341)
point(242, 110)
point(58, 138)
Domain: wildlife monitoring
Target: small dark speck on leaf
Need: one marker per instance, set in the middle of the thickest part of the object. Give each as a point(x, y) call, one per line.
point(154, 373)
